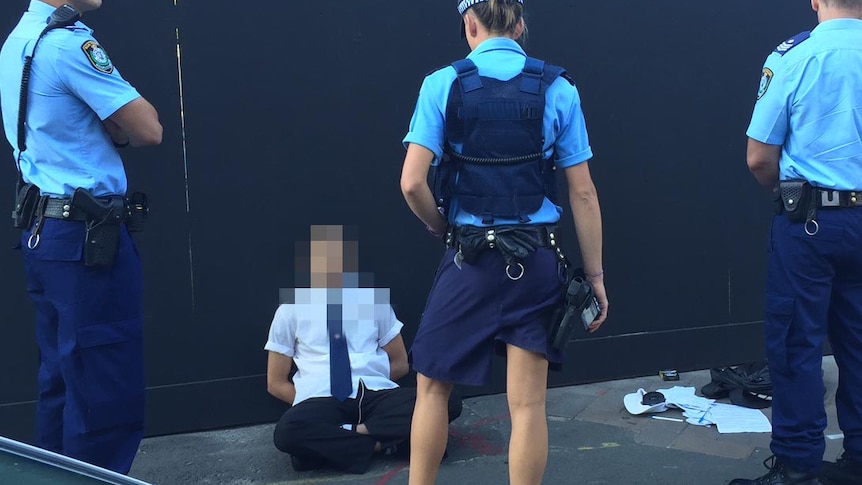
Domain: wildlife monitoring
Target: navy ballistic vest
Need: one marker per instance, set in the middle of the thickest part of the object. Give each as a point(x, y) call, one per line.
point(501, 170)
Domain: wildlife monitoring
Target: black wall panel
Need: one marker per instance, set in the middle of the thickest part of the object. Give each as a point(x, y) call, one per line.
point(292, 114)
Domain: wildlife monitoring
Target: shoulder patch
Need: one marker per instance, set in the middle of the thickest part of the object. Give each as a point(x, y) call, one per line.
point(568, 78)
point(765, 81)
point(97, 57)
point(792, 42)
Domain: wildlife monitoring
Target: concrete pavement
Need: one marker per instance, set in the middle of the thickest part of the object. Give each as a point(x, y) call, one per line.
point(593, 440)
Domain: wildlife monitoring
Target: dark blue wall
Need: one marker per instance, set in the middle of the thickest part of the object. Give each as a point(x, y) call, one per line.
point(294, 115)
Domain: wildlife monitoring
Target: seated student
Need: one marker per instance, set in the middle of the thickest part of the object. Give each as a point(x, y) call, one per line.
point(348, 351)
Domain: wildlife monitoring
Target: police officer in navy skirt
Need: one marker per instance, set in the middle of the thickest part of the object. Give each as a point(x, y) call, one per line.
point(805, 141)
point(496, 127)
point(83, 271)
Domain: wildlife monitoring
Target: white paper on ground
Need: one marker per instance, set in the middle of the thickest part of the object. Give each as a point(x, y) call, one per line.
point(737, 419)
point(729, 418)
point(684, 398)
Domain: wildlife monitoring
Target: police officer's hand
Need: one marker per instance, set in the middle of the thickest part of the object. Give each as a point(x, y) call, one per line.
point(602, 297)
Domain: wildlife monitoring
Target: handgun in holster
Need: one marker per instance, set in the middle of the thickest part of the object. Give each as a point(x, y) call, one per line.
point(581, 309)
point(104, 222)
point(797, 200)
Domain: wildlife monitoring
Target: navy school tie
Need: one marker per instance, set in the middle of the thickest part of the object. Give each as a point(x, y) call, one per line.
point(340, 381)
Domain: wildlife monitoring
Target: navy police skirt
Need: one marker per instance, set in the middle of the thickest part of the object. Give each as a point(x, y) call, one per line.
point(473, 310)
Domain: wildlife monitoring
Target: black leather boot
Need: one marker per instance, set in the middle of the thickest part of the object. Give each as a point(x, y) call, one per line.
point(842, 472)
point(779, 474)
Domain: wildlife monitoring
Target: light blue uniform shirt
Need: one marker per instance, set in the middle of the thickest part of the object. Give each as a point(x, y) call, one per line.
point(810, 102)
point(73, 88)
point(501, 58)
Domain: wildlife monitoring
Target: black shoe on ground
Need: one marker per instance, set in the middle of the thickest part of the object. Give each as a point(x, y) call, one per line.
point(400, 451)
point(303, 464)
point(842, 472)
point(779, 474)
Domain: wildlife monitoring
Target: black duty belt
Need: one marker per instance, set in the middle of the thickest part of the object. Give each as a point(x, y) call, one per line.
point(62, 209)
point(838, 198)
point(544, 235)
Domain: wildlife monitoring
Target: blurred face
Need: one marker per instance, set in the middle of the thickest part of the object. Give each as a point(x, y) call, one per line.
point(330, 257)
point(327, 262)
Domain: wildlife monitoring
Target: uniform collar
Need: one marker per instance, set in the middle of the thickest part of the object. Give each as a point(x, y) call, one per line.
point(839, 24)
point(43, 11)
point(496, 44)
point(37, 7)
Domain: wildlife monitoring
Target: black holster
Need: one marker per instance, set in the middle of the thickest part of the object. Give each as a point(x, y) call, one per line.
point(104, 223)
point(798, 200)
point(26, 200)
point(580, 309)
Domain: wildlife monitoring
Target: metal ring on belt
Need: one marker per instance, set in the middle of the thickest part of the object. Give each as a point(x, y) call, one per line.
point(62, 209)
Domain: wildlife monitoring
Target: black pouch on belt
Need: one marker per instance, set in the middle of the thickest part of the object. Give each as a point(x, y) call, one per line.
point(104, 221)
point(137, 211)
point(777, 203)
point(798, 201)
point(26, 199)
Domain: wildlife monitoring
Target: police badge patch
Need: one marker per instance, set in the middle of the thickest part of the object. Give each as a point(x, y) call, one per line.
point(97, 57)
point(765, 80)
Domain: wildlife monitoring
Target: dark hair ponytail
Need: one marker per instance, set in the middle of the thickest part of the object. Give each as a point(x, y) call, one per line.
point(499, 16)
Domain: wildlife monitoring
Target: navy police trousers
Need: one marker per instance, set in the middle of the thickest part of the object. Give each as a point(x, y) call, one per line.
point(89, 325)
point(814, 289)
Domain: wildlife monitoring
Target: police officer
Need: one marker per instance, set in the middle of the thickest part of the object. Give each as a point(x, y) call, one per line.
point(806, 137)
point(76, 112)
point(502, 122)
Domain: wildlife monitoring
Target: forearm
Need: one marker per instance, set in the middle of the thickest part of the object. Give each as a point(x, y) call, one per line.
point(397, 370)
point(421, 201)
point(588, 226)
point(118, 136)
point(766, 174)
point(284, 390)
point(763, 162)
point(137, 122)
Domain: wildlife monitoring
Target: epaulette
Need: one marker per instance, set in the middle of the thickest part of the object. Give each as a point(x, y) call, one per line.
point(568, 78)
point(784, 47)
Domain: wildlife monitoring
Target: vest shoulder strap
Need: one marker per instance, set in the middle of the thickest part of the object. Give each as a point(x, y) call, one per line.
point(468, 75)
point(536, 74)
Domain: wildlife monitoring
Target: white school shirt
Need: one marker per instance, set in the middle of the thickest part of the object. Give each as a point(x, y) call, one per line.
point(369, 323)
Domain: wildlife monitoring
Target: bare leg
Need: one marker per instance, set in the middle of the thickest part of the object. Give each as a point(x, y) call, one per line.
point(526, 388)
point(430, 429)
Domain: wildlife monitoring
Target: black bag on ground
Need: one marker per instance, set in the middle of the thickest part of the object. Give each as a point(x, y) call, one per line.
point(746, 385)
